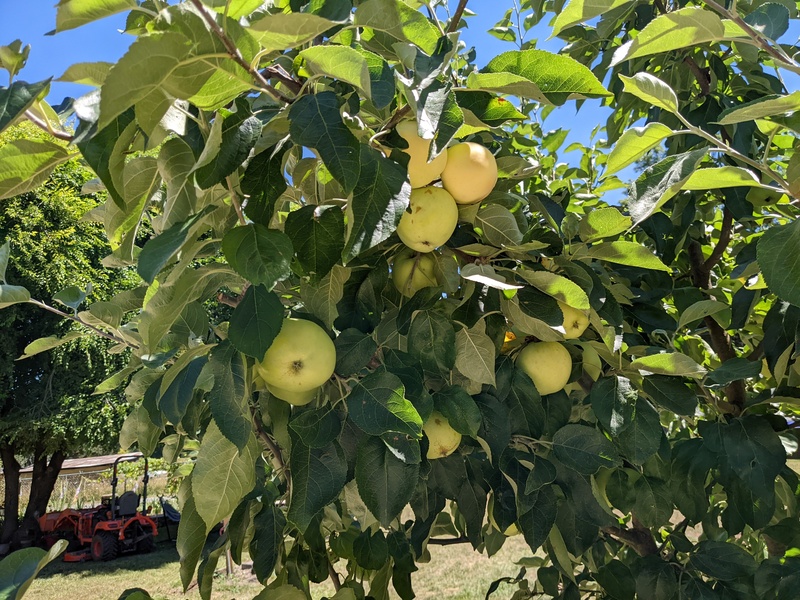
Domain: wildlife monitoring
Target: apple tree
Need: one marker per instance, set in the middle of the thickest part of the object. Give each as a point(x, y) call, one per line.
point(505, 351)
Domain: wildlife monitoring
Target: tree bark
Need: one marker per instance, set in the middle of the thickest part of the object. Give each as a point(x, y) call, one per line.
point(11, 500)
point(45, 475)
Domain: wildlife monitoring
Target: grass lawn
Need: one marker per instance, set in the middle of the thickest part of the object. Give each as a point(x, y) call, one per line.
point(455, 572)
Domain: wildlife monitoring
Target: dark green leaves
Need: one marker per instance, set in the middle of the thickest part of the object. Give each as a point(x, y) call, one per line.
point(584, 449)
point(228, 397)
point(642, 438)
point(318, 475)
point(16, 99)
point(316, 123)
point(19, 569)
point(380, 197)
point(770, 19)
point(265, 548)
point(263, 182)
point(353, 351)
point(671, 393)
point(385, 482)
point(317, 234)
point(755, 452)
point(377, 405)
point(722, 560)
point(255, 322)
point(317, 427)
point(432, 341)
point(731, 370)
point(614, 403)
point(537, 522)
point(459, 408)
point(25, 164)
point(778, 250)
point(260, 255)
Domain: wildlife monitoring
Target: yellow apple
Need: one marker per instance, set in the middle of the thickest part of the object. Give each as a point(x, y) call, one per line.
point(470, 173)
point(420, 171)
point(548, 364)
point(575, 321)
point(431, 221)
point(443, 439)
point(302, 357)
point(411, 273)
point(293, 397)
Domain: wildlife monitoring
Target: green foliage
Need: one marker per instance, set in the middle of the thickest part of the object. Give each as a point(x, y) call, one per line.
point(271, 179)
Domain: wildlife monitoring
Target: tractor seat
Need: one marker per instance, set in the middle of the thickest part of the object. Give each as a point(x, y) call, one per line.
point(127, 504)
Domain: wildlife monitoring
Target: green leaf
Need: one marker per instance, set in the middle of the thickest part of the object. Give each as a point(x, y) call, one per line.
point(543, 472)
point(14, 56)
point(678, 29)
point(614, 403)
point(381, 78)
point(176, 398)
point(632, 254)
point(370, 550)
point(580, 11)
point(228, 397)
point(26, 164)
point(733, 369)
point(584, 449)
point(255, 322)
point(602, 223)
point(192, 533)
point(537, 522)
point(700, 310)
point(668, 363)
point(475, 354)
point(490, 109)
point(778, 251)
point(315, 122)
point(380, 197)
point(723, 560)
point(48, 343)
point(71, 296)
point(642, 438)
point(497, 226)
point(288, 30)
point(339, 62)
point(459, 409)
point(671, 393)
point(767, 106)
point(159, 249)
point(318, 476)
point(99, 151)
point(20, 568)
point(770, 19)
point(432, 341)
point(652, 90)
point(616, 580)
point(13, 294)
point(235, 8)
point(317, 234)
point(267, 544)
point(74, 13)
point(559, 77)
point(264, 183)
point(260, 255)
point(377, 405)
point(559, 287)
point(506, 83)
point(633, 144)
point(722, 177)
point(657, 580)
point(659, 183)
point(385, 482)
point(354, 350)
point(754, 452)
point(321, 299)
point(16, 99)
point(222, 475)
point(5, 255)
point(317, 427)
point(87, 73)
point(653, 502)
point(399, 21)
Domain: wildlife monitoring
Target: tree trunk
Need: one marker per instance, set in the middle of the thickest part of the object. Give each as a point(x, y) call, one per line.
point(44, 480)
point(11, 500)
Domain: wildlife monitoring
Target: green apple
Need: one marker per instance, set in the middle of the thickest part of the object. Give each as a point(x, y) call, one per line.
point(470, 172)
point(293, 397)
point(430, 221)
point(548, 364)
point(301, 358)
point(420, 171)
point(443, 439)
point(411, 273)
point(575, 321)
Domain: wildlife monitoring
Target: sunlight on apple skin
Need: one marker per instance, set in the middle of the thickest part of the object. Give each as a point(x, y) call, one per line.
point(548, 364)
point(301, 358)
point(431, 221)
point(412, 273)
point(443, 439)
point(420, 171)
point(575, 321)
point(470, 173)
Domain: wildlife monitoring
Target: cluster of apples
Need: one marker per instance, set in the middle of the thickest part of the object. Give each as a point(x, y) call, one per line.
point(468, 172)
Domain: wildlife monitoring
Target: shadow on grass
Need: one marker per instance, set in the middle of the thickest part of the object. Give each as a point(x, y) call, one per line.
point(164, 553)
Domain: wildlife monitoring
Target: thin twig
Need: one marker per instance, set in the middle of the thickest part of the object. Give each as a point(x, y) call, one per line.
point(56, 133)
point(234, 53)
point(462, 4)
point(237, 206)
point(700, 75)
point(337, 582)
point(273, 447)
point(76, 319)
point(448, 541)
point(725, 233)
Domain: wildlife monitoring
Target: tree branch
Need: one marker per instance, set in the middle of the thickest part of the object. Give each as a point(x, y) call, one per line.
point(699, 75)
point(234, 53)
point(462, 4)
point(56, 133)
point(639, 538)
point(725, 233)
point(448, 541)
point(337, 582)
point(76, 319)
point(271, 445)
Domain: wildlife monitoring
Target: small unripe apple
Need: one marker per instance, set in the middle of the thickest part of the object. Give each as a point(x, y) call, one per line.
point(548, 364)
point(430, 221)
point(575, 321)
point(411, 273)
point(420, 171)
point(301, 358)
point(470, 173)
point(293, 397)
point(443, 439)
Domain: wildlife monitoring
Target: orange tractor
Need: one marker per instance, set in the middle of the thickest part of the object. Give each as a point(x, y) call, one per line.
point(115, 526)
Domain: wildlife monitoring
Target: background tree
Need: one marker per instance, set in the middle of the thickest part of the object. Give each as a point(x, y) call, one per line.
point(47, 410)
point(646, 454)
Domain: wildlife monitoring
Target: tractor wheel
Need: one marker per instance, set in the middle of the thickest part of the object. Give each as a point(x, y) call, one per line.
point(105, 546)
point(147, 543)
